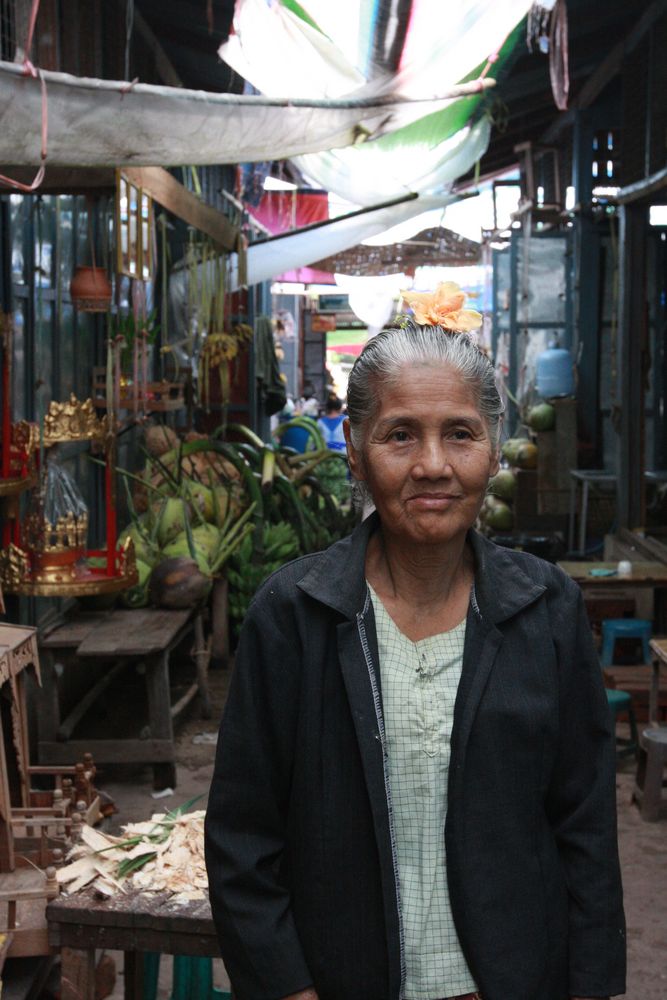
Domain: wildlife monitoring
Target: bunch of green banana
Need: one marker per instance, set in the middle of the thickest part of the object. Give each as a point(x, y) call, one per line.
point(245, 575)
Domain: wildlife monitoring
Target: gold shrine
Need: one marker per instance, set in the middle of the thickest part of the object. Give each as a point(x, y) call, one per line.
point(52, 560)
point(73, 421)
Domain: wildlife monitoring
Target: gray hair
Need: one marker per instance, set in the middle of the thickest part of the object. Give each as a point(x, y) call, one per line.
point(383, 357)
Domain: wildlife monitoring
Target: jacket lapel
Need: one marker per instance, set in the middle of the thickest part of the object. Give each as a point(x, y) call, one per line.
point(364, 705)
point(482, 643)
point(502, 588)
point(358, 657)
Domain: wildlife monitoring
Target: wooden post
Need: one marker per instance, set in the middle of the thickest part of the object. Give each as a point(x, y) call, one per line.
point(630, 352)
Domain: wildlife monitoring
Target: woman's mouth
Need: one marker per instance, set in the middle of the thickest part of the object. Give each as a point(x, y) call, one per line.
point(432, 501)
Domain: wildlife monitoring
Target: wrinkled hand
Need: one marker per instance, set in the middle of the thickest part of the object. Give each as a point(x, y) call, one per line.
point(303, 995)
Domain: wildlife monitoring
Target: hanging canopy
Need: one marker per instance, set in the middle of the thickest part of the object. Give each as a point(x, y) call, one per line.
point(95, 123)
point(269, 257)
point(282, 48)
point(433, 247)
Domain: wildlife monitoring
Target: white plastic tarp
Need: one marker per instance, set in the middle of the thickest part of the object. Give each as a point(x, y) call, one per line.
point(95, 123)
point(282, 54)
point(368, 174)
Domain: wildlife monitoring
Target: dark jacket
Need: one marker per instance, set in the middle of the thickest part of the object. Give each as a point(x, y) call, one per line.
point(299, 836)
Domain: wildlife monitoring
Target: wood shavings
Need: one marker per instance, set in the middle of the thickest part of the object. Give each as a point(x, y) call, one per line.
point(164, 854)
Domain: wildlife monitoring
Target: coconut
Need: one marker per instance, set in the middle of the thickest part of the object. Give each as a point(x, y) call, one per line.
point(500, 517)
point(542, 417)
point(142, 548)
point(205, 539)
point(510, 448)
point(160, 439)
point(208, 536)
point(503, 484)
point(178, 583)
point(202, 498)
point(526, 456)
point(171, 517)
point(137, 596)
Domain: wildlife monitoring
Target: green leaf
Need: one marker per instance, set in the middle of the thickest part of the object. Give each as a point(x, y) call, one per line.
point(131, 865)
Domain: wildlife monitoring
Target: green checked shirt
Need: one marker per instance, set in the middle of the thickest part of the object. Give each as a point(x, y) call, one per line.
point(419, 684)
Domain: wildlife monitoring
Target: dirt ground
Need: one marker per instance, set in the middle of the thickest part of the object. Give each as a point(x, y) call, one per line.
point(643, 850)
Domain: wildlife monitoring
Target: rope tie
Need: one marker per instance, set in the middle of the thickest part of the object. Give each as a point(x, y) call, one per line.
point(29, 70)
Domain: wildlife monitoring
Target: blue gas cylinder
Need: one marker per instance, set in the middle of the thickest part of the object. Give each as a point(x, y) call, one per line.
point(554, 376)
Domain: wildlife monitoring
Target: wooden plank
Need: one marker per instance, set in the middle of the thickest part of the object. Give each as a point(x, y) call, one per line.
point(133, 910)
point(184, 700)
point(108, 751)
point(78, 974)
point(168, 192)
point(142, 632)
point(72, 632)
point(556, 455)
point(631, 348)
point(47, 699)
point(659, 647)
point(129, 938)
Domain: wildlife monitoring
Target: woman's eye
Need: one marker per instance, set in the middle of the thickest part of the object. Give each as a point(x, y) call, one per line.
point(399, 436)
point(461, 434)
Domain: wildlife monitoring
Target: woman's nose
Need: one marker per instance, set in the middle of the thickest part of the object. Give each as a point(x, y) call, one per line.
point(432, 461)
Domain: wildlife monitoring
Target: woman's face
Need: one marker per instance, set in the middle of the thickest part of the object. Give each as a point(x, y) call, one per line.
point(427, 457)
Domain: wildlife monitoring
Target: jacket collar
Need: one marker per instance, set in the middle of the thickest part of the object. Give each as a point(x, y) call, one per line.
point(338, 578)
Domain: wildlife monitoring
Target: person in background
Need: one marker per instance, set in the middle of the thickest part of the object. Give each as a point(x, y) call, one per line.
point(414, 791)
point(331, 424)
point(309, 405)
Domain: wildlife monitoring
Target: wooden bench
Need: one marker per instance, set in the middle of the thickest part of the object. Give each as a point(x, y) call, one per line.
point(119, 638)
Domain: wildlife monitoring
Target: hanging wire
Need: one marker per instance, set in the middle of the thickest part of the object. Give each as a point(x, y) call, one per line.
point(129, 27)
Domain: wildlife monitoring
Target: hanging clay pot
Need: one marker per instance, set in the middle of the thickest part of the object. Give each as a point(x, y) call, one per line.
point(90, 289)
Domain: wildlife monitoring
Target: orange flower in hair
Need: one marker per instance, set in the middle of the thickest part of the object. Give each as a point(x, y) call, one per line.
point(443, 307)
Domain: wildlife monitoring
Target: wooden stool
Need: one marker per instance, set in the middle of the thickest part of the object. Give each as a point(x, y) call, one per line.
point(650, 766)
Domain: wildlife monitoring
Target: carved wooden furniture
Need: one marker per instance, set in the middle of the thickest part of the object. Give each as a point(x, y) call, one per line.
point(36, 825)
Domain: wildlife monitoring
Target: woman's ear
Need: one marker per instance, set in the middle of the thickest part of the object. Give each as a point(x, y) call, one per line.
point(353, 456)
point(495, 462)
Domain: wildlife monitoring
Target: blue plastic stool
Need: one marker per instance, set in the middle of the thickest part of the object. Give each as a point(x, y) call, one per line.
point(193, 978)
point(624, 628)
point(620, 703)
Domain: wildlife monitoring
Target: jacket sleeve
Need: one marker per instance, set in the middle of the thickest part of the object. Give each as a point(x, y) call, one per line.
point(245, 819)
point(581, 807)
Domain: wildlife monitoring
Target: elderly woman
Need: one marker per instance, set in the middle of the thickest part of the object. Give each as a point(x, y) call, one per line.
point(414, 791)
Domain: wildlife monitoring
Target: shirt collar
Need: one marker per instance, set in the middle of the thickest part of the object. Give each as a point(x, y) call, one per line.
point(338, 579)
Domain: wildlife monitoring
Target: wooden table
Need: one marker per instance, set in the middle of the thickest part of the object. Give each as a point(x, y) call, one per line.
point(659, 650)
point(118, 638)
point(646, 578)
point(131, 922)
point(644, 574)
